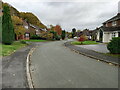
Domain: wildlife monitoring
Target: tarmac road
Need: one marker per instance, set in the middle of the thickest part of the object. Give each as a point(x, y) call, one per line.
point(54, 66)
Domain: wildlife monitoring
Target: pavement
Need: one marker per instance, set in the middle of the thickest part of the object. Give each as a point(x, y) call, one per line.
point(55, 66)
point(14, 68)
point(102, 48)
point(94, 54)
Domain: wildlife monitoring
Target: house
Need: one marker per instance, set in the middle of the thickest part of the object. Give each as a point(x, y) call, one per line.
point(27, 33)
point(94, 34)
point(85, 32)
point(35, 30)
point(110, 29)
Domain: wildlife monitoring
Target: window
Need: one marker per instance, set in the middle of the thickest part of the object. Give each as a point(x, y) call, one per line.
point(114, 23)
point(26, 27)
point(106, 25)
point(113, 34)
point(26, 35)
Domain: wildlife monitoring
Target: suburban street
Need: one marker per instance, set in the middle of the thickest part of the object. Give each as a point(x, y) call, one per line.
point(55, 66)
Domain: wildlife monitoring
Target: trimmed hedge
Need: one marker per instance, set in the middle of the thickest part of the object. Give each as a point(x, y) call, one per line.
point(114, 45)
point(35, 37)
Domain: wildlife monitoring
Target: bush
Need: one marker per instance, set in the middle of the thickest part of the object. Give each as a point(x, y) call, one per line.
point(23, 42)
point(63, 35)
point(114, 46)
point(58, 37)
point(46, 36)
point(82, 39)
point(35, 37)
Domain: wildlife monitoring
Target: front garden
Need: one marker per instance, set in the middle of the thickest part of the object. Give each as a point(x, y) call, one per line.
point(6, 50)
point(35, 40)
point(84, 43)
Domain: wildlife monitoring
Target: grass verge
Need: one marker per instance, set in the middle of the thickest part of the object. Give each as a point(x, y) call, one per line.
point(114, 55)
point(6, 50)
point(35, 40)
point(84, 43)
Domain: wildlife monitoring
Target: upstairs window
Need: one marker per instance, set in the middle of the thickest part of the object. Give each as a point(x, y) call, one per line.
point(113, 34)
point(114, 23)
point(106, 25)
point(26, 27)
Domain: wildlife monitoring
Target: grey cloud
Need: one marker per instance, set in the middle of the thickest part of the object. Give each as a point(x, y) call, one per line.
point(79, 15)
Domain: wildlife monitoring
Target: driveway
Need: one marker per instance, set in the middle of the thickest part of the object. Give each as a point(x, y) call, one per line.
point(54, 66)
point(102, 48)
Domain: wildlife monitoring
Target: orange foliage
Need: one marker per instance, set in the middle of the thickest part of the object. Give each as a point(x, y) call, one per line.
point(58, 29)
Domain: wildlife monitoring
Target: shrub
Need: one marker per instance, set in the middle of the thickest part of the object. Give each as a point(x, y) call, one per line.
point(23, 42)
point(114, 45)
point(46, 36)
point(35, 37)
point(63, 35)
point(82, 39)
point(58, 37)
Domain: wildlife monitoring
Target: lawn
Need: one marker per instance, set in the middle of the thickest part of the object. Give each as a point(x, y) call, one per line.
point(6, 50)
point(35, 40)
point(84, 43)
point(114, 55)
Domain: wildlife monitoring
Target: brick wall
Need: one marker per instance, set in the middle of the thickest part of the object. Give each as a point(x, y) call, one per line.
point(109, 24)
point(118, 22)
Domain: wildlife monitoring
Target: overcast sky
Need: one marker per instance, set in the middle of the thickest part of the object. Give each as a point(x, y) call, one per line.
point(69, 14)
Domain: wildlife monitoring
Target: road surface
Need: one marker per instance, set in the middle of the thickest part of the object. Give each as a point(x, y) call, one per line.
point(102, 48)
point(54, 66)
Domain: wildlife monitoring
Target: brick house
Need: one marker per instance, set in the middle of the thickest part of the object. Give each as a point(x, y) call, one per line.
point(35, 30)
point(26, 35)
point(110, 29)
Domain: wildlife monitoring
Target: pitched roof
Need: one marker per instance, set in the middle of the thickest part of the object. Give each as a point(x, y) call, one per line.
point(110, 28)
point(117, 17)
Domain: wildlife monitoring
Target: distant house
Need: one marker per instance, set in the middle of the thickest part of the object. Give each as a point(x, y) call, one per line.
point(110, 29)
point(27, 33)
point(94, 34)
point(35, 30)
point(85, 32)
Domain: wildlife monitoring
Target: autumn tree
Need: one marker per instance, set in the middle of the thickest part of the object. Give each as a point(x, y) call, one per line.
point(58, 29)
point(18, 25)
point(8, 34)
point(46, 35)
point(31, 18)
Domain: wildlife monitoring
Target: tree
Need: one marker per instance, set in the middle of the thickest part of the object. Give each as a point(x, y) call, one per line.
point(8, 34)
point(18, 25)
point(31, 18)
point(63, 34)
point(55, 36)
point(58, 29)
point(46, 35)
point(73, 32)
